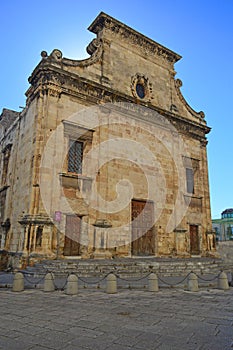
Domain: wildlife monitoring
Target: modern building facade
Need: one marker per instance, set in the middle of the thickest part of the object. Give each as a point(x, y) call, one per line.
point(224, 227)
point(107, 159)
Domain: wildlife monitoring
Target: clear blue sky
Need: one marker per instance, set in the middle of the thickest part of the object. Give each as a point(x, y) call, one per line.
point(201, 31)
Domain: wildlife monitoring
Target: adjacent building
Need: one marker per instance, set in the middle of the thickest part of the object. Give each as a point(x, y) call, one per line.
point(224, 227)
point(107, 159)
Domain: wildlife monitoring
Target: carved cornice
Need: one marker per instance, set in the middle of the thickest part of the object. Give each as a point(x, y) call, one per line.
point(104, 21)
point(188, 127)
point(77, 132)
point(102, 223)
point(55, 79)
point(181, 124)
point(48, 79)
point(199, 115)
point(180, 230)
point(35, 220)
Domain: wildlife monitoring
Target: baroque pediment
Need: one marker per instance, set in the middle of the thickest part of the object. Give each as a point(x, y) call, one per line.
point(124, 32)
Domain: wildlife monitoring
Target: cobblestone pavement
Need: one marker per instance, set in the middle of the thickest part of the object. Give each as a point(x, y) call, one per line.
point(130, 319)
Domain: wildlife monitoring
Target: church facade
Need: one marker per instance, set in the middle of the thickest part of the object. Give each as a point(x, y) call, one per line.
point(107, 159)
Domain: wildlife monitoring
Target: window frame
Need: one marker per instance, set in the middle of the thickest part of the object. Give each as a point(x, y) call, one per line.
point(190, 180)
point(76, 134)
point(75, 156)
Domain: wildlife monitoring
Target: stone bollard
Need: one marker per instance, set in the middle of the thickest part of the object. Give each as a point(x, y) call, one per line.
point(18, 283)
point(111, 286)
point(223, 281)
point(193, 282)
point(49, 283)
point(153, 283)
point(72, 285)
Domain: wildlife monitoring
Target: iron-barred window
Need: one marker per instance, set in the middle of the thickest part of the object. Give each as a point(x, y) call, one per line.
point(190, 180)
point(75, 157)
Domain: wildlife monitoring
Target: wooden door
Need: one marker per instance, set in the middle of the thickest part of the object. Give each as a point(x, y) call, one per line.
point(143, 238)
point(72, 236)
point(194, 239)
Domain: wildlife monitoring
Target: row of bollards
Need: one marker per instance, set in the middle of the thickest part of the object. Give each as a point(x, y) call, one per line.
point(193, 282)
point(111, 283)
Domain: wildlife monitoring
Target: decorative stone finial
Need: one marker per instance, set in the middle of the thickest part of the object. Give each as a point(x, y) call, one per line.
point(44, 54)
point(178, 83)
point(202, 114)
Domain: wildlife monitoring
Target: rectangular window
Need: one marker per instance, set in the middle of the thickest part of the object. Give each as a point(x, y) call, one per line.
point(6, 157)
point(190, 180)
point(75, 157)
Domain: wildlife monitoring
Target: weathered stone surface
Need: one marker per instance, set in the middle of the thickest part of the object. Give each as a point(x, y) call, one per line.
point(153, 283)
point(72, 285)
point(49, 283)
point(173, 319)
point(193, 282)
point(147, 110)
point(18, 283)
point(111, 284)
point(223, 281)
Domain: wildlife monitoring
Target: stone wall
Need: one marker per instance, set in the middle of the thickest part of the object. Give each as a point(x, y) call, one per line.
point(225, 250)
point(124, 94)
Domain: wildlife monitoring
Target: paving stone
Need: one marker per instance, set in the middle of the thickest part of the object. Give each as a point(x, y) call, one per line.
point(226, 330)
point(126, 341)
point(13, 344)
point(90, 343)
point(38, 347)
point(119, 347)
point(130, 320)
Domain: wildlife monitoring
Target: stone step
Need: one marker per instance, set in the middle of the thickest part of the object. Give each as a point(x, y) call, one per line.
point(131, 267)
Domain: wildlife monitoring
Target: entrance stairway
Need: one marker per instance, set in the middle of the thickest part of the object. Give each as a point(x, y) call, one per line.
point(132, 267)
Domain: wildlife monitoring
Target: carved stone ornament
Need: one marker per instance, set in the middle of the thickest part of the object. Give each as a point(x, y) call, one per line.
point(199, 115)
point(34, 219)
point(106, 22)
point(57, 54)
point(44, 54)
point(141, 87)
point(93, 46)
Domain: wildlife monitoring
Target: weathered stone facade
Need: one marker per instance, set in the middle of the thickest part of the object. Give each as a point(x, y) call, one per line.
point(52, 160)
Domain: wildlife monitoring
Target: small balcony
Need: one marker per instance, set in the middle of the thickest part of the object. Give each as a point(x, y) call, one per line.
point(193, 201)
point(76, 181)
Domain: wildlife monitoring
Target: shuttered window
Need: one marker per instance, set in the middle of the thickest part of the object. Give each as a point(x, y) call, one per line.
point(75, 157)
point(190, 180)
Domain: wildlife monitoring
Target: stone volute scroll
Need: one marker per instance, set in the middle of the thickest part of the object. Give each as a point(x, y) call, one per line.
point(93, 46)
point(199, 115)
point(56, 54)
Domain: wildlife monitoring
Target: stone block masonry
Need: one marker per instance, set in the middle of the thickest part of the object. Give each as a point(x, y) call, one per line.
point(111, 145)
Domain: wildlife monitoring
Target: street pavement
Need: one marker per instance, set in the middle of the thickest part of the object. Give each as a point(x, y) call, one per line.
point(131, 319)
